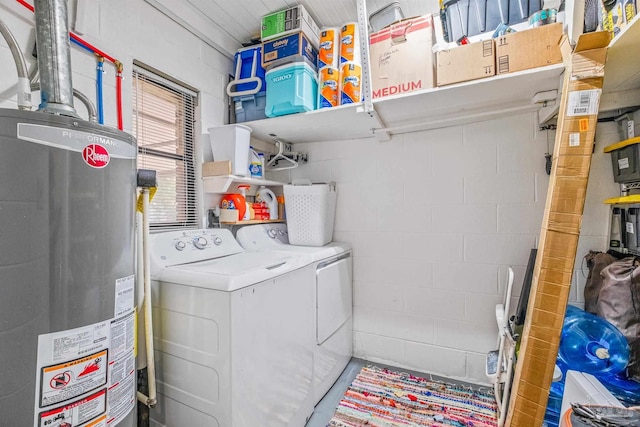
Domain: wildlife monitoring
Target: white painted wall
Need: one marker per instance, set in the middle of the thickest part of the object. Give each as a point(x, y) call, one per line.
point(126, 30)
point(435, 218)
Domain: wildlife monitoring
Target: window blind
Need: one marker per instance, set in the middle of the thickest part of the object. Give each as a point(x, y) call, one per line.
point(163, 124)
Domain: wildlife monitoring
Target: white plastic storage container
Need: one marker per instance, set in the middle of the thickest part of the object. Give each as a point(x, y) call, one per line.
point(387, 15)
point(310, 211)
point(231, 142)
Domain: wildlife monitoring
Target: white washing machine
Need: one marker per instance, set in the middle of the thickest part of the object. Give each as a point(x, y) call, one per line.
point(330, 268)
point(233, 333)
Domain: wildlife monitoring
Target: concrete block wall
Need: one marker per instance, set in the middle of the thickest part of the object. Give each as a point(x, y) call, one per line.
point(435, 219)
point(126, 30)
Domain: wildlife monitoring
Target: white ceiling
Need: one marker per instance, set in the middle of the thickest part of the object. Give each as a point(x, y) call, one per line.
point(226, 24)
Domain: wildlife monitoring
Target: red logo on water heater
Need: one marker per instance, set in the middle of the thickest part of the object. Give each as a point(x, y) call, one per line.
point(95, 156)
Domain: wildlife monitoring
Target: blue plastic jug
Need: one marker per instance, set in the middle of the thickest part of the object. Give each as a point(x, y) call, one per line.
point(591, 344)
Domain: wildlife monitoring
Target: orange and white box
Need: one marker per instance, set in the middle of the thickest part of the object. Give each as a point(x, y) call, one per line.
point(329, 52)
point(350, 43)
point(328, 87)
point(350, 83)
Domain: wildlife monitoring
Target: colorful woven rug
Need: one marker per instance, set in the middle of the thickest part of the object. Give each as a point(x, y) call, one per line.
point(382, 398)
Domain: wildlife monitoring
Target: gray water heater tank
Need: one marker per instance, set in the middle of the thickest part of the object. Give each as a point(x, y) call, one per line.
point(67, 209)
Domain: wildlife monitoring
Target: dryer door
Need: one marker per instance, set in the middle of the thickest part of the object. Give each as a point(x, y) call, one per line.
point(334, 297)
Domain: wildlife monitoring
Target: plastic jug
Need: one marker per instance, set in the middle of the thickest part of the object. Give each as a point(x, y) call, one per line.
point(265, 195)
point(591, 344)
point(255, 164)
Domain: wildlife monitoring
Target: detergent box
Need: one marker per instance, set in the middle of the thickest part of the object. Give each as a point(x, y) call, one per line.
point(288, 49)
point(401, 57)
point(288, 21)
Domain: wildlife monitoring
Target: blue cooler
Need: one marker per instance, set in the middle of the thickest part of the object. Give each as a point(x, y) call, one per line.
point(248, 89)
point(291, 88)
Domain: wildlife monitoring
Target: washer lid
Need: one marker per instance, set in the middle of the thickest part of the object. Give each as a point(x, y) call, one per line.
point(231, 272)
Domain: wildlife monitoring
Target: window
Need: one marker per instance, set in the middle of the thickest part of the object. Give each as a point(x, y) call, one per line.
point(163, 124)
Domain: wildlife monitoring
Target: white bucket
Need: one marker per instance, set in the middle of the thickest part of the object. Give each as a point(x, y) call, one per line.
point(231, 142)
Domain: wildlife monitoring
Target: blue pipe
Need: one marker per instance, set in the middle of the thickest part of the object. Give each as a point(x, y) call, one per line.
point(77, 43)
point(99, 102)
point(99, 73)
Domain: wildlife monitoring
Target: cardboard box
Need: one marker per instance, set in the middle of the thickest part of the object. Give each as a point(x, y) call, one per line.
point(222, 167)
point(401, 57)
point(555, 262)
point(287, 49)
point(532, 48)
point(587, 60)
point(229, 215)
point(467, 62)
point(290, 21)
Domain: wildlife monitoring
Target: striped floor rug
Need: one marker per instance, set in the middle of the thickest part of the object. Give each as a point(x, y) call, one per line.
point(382, 398)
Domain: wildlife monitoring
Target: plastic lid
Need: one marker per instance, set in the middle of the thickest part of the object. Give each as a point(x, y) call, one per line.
point(289, 61)
point(304, 64)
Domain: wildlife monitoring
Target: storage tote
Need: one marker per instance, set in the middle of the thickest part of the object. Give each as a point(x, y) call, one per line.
point(249, 78)
point(310, 211)
point(251, 107)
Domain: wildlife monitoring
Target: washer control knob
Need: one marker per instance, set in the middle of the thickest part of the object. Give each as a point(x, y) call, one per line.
point(272, 233)
point(281, 232)
point(217, 241)
point(180, 245)
point(200, 242)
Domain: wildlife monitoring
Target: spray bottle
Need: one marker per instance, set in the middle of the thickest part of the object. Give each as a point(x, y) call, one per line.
point(247, 213)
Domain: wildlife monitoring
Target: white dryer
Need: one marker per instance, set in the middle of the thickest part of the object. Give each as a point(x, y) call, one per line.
point(233, 333)
point(331, 277)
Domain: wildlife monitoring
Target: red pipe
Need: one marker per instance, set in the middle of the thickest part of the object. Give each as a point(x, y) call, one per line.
point(119, 94)
point(27, 5)
point(98, 52)
point(93, 48)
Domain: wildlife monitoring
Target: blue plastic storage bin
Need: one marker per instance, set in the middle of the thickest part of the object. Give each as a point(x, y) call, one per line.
point(249, 108)
point(291, 88)
point(249, 78)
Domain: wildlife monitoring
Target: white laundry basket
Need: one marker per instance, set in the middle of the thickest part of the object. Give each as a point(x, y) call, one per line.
point(310, 210)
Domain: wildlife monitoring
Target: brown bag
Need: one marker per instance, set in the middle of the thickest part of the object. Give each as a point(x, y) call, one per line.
point(596, 261)
point(619, 303)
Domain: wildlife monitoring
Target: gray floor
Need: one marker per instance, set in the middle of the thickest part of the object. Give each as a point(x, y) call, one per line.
point(327, 406)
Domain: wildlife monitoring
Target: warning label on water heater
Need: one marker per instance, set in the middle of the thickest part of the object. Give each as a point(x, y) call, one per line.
point(86, 376)
point(68, 380)
point(91, 408)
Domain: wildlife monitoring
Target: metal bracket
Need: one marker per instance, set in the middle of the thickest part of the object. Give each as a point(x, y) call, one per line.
point(363, 31)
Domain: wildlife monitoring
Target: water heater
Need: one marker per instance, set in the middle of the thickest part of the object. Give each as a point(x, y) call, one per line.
point(67, 206)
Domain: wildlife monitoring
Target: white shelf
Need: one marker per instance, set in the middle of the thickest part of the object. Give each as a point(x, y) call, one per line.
point(328, 124)
point(468, 101)
point(229, 183)
point(622, 70)
point(443, 106)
